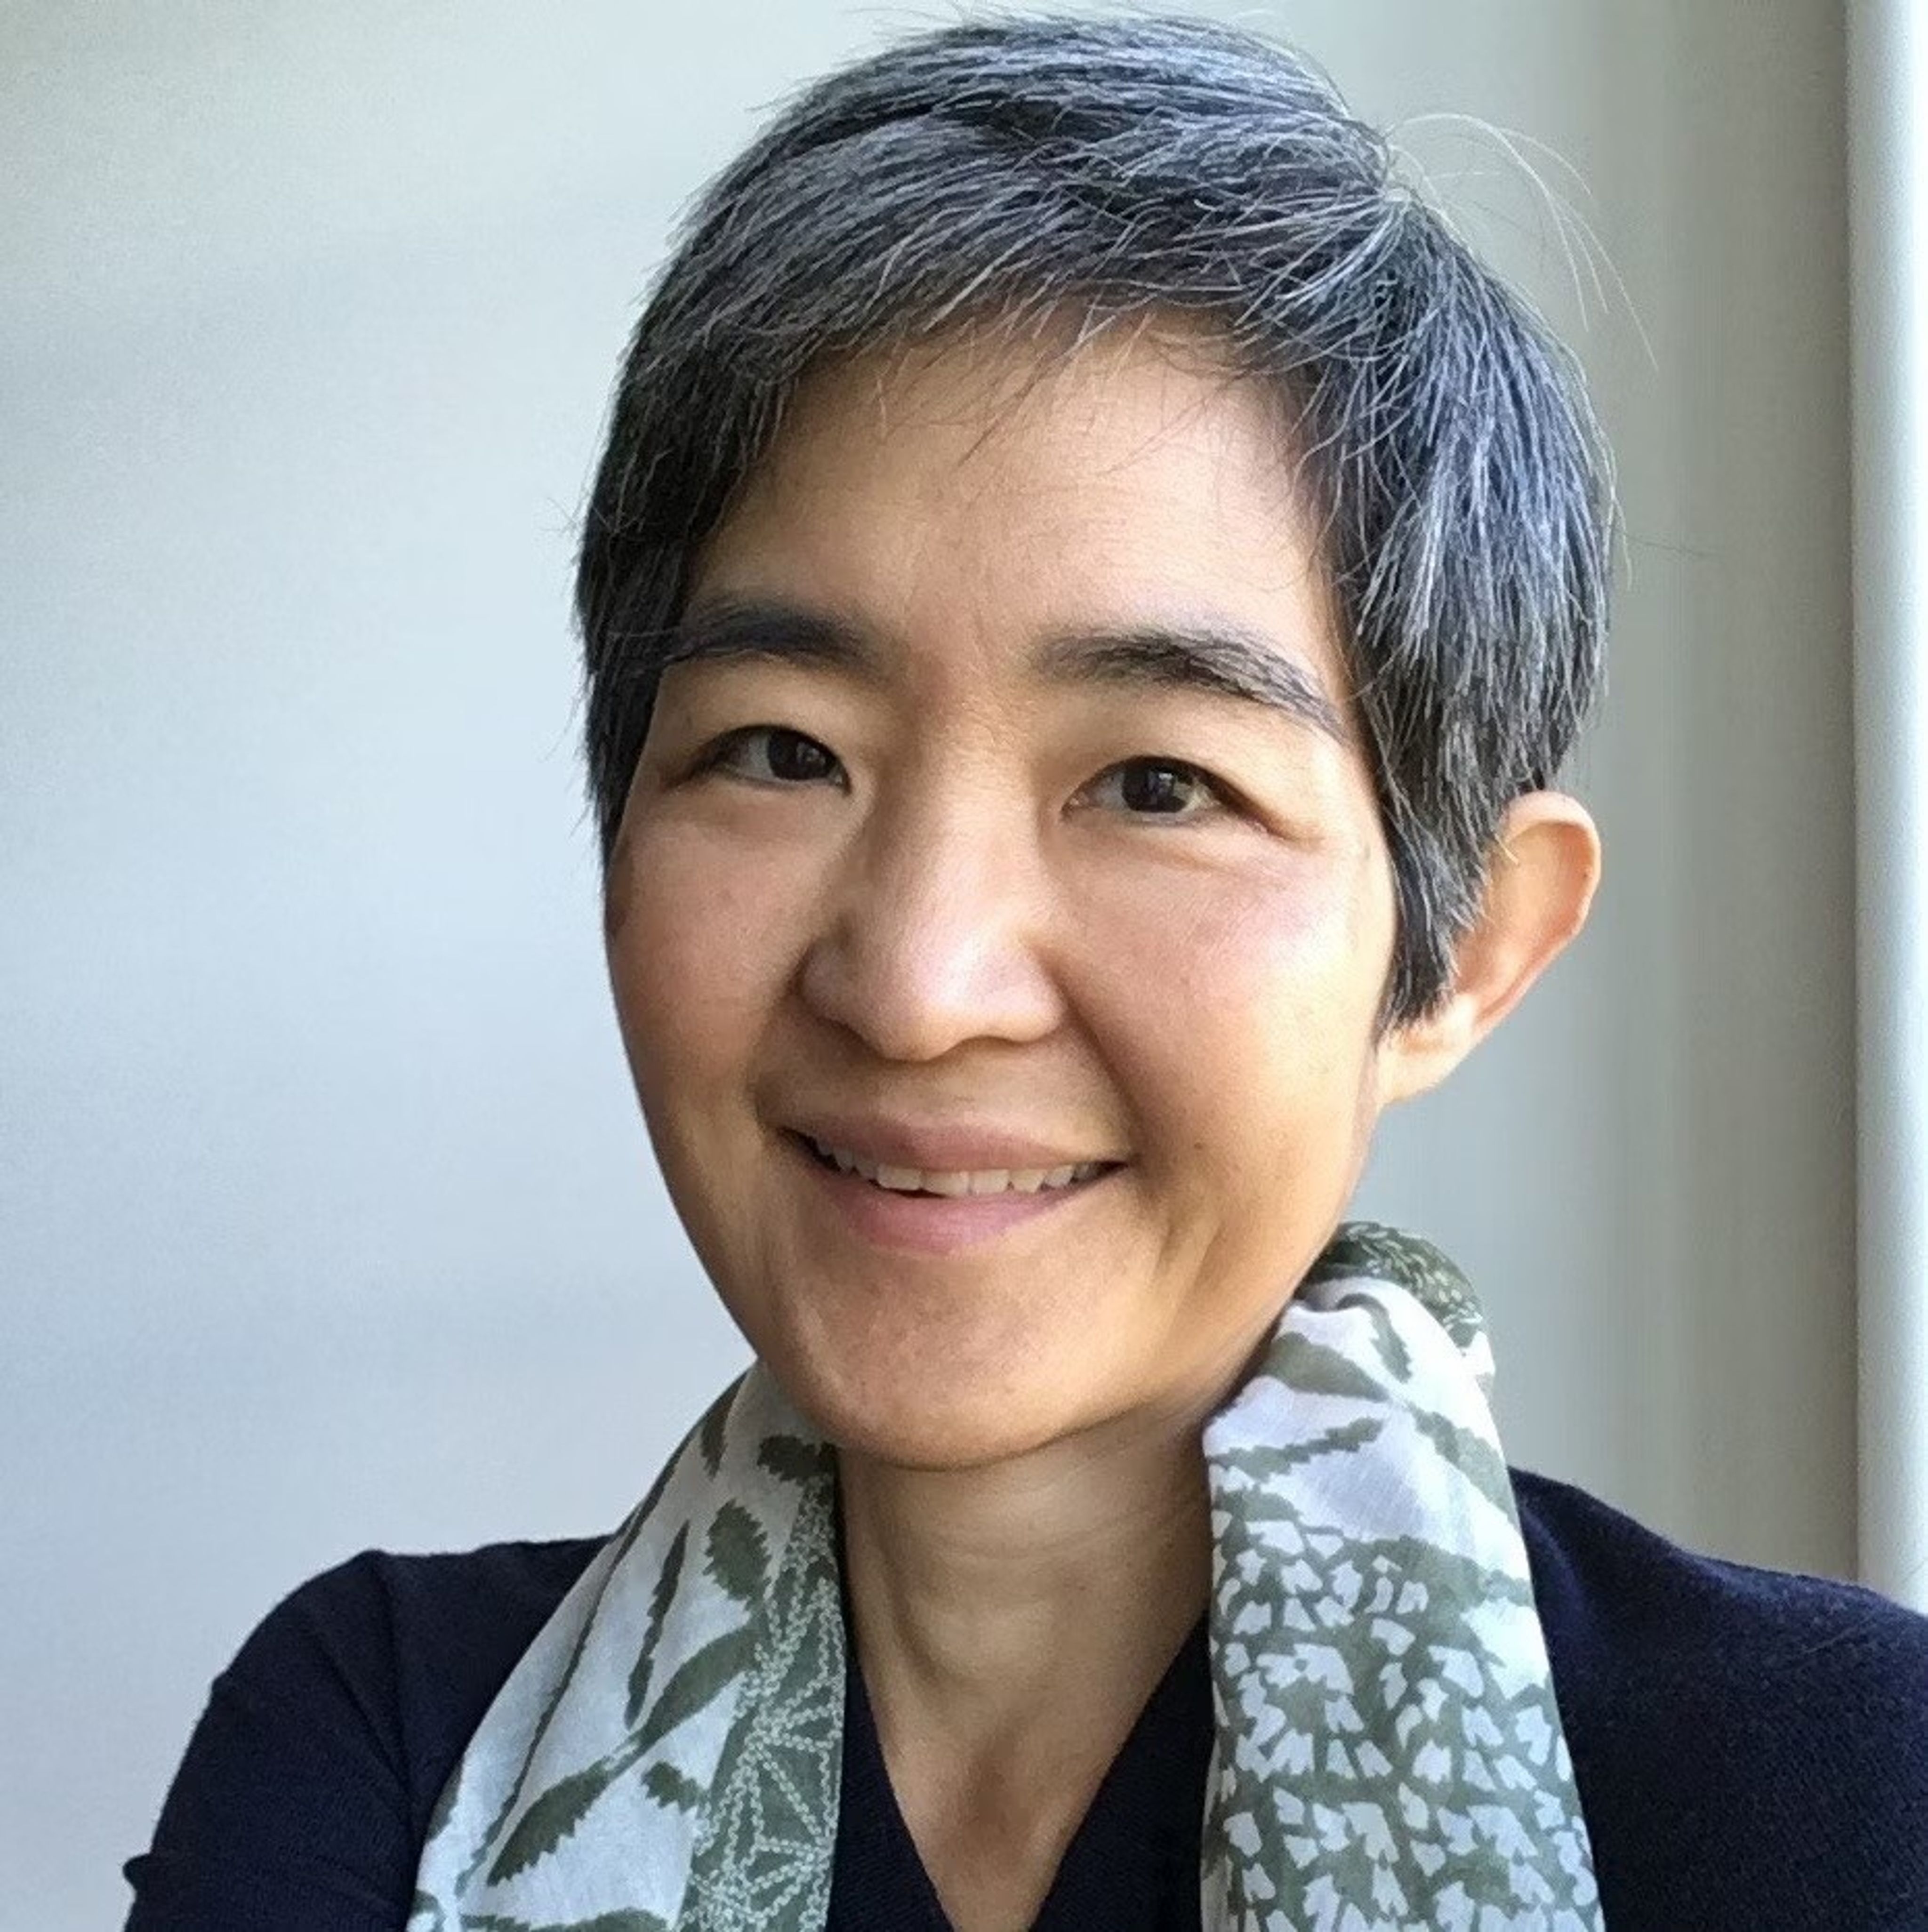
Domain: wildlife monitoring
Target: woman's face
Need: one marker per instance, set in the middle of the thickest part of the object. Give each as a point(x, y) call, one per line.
point(943, 850)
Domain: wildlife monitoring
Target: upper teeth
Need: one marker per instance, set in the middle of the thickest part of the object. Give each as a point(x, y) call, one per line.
point(982, 1180)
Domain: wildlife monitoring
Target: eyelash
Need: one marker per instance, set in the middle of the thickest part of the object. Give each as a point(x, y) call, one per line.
point(715, 758)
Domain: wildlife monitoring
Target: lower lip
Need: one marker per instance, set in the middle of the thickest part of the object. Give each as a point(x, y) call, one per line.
point(934, 1224)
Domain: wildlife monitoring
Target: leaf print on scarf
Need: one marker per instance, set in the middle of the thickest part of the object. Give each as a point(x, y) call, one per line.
point(641, 1515)
point(793, 1459)
point(738, 1557)
point(646, 1658)
point(1479, 1461)
point(709, 1430)
point(561, 1808)
point(667, 1786)
point(1265, 1467)
point(1314, 1368)
point(696, 1680)
point(553, 1816)
point(1385, 1336)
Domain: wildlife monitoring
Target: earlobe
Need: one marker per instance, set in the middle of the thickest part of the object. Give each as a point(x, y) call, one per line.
point(1540, 884)
point(1415, 1058)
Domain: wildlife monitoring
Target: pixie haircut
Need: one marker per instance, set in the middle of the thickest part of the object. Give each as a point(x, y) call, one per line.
point(1127, 171)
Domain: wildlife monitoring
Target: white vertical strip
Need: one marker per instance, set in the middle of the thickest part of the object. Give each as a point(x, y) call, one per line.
point(1887, 137)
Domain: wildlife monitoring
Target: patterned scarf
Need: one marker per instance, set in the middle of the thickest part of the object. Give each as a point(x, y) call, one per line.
point(1387, 1754)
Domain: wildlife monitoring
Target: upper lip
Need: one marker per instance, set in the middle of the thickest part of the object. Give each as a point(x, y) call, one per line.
point(938, 1148)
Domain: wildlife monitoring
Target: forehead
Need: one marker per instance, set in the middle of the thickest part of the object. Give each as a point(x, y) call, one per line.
point(979, 495)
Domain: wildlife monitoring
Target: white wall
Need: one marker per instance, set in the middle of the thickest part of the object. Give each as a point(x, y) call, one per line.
point(325, 1218)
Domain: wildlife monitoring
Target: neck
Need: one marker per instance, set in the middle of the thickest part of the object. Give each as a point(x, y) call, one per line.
point(999, 1606)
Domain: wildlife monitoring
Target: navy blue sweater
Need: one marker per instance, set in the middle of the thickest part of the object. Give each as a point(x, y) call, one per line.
point(1751, 1747)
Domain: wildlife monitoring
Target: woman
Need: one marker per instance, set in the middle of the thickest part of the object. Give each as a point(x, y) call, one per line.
point(1086, 593)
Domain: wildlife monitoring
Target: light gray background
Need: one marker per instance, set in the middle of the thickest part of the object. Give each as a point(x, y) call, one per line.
point(325, 1218)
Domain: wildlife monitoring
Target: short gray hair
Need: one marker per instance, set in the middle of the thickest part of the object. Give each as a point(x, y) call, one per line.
point(1127, 170)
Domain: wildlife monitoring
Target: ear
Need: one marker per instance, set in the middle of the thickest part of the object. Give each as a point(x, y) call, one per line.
point(1541, 878)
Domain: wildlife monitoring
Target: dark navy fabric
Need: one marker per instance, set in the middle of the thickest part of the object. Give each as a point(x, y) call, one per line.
point(1751, 1747)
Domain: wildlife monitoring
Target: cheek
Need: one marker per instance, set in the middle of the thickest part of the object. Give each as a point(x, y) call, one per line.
point(1245, 1012)
point(692, 947)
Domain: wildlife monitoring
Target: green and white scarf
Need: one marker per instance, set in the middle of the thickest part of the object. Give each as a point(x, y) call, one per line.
point(1388, 1755)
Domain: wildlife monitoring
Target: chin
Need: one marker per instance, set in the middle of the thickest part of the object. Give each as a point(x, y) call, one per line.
point(952, 1444)
point(930, 1421)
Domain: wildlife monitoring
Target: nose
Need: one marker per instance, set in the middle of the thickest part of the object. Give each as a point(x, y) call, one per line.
point(933, 934)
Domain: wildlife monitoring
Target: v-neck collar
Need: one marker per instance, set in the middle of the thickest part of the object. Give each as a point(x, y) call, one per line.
point(1132, 1865)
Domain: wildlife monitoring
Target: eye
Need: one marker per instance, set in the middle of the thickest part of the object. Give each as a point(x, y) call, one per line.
point(1153, 787)
point(771, 754)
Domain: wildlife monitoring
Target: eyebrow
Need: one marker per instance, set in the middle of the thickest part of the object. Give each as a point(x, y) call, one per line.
point(1224, 660)
point(1227, 663)
point(726, 627)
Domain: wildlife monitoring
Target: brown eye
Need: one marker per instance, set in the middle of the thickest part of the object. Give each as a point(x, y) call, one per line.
point(1161, 788)
point(772, 754)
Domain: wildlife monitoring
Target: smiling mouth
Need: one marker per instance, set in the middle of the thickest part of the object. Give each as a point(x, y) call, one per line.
point(988, 1184)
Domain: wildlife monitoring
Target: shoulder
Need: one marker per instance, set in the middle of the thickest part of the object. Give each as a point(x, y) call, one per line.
point(323, 1744)
point(430, 1637)
point(1753, 1740)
